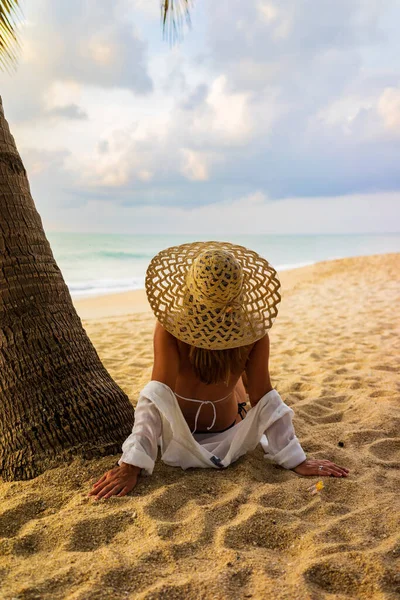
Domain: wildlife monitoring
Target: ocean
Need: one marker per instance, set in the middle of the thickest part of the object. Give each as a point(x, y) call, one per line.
point(98, 264)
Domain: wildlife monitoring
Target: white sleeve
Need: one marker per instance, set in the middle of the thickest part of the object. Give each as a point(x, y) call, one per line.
point(282, 445)
point(141, 447)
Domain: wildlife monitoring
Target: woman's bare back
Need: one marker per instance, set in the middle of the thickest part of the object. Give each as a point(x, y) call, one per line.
point(189, 386)
point(172, 366)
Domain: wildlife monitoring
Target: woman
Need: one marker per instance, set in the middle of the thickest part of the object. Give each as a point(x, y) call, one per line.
point(214, 303)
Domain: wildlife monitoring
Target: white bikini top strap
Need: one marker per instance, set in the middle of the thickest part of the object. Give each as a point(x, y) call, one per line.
point(202, 402)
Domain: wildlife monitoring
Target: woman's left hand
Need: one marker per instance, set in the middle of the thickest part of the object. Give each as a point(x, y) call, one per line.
point(119, 481)
point(324, 468)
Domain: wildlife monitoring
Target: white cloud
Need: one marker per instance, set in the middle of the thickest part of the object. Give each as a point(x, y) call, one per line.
point(389, 109)
point(290, 98)
point(280, 21)
point(92, 43)
point(100, 51)
point(147, 7)
point(268, 11)
point(194, 165)
point(230, 117)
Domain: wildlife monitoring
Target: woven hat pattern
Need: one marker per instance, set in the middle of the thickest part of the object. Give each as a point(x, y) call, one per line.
point(213, 295)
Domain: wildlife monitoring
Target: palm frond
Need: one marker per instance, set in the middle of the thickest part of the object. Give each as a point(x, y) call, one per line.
point(10, 15)
point(174, 13)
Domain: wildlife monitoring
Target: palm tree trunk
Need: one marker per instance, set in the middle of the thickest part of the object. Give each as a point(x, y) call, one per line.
point(56, 398)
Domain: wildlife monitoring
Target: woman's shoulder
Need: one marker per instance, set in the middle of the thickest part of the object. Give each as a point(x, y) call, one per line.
point(263, 341)
point(160, 330)
point(166, 357)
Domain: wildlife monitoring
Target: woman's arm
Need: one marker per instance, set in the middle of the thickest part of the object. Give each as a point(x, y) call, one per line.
point(141, 447)
point(166, 357)
point(257, 371)
point(283, 445)
point(139, 452)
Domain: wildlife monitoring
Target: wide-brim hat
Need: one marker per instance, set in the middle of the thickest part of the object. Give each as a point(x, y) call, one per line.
point(213, 295)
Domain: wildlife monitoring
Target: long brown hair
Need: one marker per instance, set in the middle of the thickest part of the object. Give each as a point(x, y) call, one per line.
point(216, 366)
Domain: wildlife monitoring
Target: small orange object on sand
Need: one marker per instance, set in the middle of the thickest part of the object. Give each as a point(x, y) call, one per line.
point(317, 487)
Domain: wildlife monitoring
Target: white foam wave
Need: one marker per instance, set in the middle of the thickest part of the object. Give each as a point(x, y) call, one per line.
point(101, 287)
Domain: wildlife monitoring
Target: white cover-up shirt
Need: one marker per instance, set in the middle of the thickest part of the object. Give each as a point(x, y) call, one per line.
point(159, 422)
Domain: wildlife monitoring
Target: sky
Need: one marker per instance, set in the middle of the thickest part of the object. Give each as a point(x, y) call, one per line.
point(268, 117)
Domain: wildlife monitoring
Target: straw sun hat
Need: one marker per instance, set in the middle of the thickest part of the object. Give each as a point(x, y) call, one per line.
point(213, 295)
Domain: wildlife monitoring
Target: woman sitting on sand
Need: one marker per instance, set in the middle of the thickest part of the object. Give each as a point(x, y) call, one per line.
point(214, 304)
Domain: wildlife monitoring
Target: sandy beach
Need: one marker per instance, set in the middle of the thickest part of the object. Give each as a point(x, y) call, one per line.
point(253, 530)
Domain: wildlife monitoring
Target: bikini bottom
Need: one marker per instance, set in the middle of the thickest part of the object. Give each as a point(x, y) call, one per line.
point(241, 410)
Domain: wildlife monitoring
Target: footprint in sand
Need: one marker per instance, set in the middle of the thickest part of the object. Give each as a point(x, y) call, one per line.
point(365, 436)
point(128, 581)
point(270, 529)
point(52, 588)
point(131, 580)
point(90, 534)
point(189, 530)
point(202, 529)
point(301, 386)
point(3, 574)
point(382, 394)
point(173, 591)
point(387, 450)
point(361, 528)
point(240, 577)
point(176, 502)
point(334, 417)
point(326, 511)
point(355, 385)
point(12, 520)
point(170, 505)
point(345, 492)
point(27, 545)
point(329, 401)
point(315, 410)
point(329, 549)
point(315, 414)
point(388, 368)
point(284, 499)
point(352, 574)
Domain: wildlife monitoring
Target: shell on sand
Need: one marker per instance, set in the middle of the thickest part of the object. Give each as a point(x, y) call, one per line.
point(252, 530)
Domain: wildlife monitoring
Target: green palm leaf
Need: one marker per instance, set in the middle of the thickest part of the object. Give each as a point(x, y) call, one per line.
point(174, 13)
point(10, 14)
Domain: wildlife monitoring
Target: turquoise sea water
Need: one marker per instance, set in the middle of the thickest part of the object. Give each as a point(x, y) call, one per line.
point(97, 264)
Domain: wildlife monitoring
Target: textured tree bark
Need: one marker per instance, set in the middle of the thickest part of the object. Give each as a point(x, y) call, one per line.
point(56, 398)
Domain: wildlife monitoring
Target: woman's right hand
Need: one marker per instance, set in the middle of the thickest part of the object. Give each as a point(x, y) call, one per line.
point(119, 481)
point(321, 467)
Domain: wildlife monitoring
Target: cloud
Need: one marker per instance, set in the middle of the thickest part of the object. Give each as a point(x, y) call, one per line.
point(69, 111)
point(196, 97)
point(279, 23)
point(91, 43)
point(389, 109)
point(98, 46)
point(38, 162)
point(294, 99)
point(194, 165)
point(151, 10)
